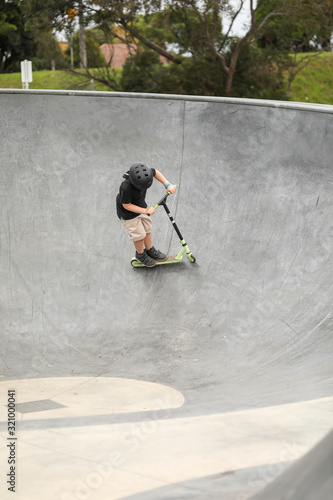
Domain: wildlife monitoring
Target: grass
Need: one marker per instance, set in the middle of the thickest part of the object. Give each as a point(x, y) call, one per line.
point(51, 80)
point(314, 84)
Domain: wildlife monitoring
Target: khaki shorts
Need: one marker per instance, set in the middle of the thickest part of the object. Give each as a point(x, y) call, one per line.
point(139, 227)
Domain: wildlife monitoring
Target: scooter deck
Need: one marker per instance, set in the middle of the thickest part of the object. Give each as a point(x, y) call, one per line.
point(170, 260)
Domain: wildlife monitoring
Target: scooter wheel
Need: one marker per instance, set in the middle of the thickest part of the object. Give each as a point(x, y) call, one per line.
point(192, 259)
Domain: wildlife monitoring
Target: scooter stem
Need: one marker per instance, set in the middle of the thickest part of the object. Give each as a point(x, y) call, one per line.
point(185, 247)
point(162, 201)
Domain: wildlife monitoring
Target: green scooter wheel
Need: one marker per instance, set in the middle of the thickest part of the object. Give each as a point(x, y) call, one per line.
point(135, 263)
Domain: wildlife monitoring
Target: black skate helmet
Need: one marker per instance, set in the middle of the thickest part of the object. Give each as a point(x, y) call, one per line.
point(141, 176)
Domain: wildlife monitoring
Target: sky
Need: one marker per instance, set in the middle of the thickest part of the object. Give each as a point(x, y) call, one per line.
point(242, 18)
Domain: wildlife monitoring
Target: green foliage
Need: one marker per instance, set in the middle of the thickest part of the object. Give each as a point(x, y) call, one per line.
point(199, 72)
point(52, 14)
point(192, 30)
point(7, 30)
point(16, 42)
point(47, 52)
point(195, 76)
point(5, 27)
point(154, 27)
point(139, 72)
point(95, 58)
point(98, 36)
point(303, 25)
point(260, 74)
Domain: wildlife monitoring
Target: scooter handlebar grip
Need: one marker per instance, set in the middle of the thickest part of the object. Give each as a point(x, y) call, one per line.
point(169, 191)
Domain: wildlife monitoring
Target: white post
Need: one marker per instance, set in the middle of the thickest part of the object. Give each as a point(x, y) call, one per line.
point(26, 73)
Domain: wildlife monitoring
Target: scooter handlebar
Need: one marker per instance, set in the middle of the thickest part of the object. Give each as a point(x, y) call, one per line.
point(162, 200)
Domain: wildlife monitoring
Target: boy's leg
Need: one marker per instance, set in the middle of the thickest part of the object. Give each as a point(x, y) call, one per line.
point(138, 234)
point(148, 241)
point(139, 246)
point(151, 250)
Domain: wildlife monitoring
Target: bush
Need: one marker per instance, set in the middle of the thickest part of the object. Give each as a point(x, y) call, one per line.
point(144, 72)
point(140, 71)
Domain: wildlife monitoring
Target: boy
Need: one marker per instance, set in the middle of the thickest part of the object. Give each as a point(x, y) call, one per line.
point(133, 211)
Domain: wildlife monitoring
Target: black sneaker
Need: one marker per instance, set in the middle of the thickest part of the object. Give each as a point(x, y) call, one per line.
point(145, 259)
point(156, 254)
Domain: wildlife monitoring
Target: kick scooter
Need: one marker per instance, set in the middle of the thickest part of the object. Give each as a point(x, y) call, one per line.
point(172, 259)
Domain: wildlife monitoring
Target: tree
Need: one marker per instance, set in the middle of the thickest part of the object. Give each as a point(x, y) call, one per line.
point(194, 25)
point(59, 15)
point(218, 49)
point(16, 40)
point(95, 58)
point(48, 53)
point(7, 28)
point(307, 28)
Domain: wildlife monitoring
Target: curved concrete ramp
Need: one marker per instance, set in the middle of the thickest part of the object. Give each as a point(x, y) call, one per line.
point(311, 477)
point(190, 381)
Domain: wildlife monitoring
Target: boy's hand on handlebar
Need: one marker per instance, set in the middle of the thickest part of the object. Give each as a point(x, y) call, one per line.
point(172, 189)
point(150, 210)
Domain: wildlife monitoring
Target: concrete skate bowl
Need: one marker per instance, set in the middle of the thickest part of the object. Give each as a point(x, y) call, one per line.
point(201, 381)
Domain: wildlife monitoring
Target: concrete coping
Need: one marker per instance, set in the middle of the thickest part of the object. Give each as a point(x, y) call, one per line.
point(299, 106)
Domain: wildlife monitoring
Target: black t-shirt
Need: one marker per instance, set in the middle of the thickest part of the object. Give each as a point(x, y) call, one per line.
point(130, 194)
